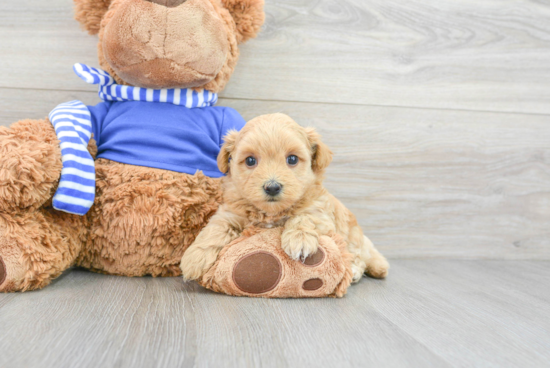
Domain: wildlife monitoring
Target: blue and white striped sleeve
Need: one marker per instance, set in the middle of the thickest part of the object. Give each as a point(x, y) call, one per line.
point(76, 190)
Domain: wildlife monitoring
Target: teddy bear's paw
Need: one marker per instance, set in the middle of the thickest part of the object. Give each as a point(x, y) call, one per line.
point(299, 244)
point(11, 272)
point(257, 273)
point(3, 272)
point(258, 266)
point(261, 272)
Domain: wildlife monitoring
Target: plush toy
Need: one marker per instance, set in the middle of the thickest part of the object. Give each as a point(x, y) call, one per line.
point(255, 265)
point(125, 186)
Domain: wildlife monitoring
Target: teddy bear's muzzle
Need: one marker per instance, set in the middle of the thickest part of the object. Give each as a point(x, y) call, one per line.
point(168, 3)
point(182, 44)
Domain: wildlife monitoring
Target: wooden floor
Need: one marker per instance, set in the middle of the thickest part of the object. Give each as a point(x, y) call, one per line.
point(429, 313)
point(439, 116)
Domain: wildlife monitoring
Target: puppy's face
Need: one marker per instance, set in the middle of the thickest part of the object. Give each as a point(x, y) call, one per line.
point(273, 162)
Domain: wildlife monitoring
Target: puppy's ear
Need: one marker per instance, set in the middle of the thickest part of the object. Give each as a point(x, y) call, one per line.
point(90, 13)
point(248, 15)
point(321, 155)
point(227, 150)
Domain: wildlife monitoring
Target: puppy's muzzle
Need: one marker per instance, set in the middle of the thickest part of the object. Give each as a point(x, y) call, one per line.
point(272, 188)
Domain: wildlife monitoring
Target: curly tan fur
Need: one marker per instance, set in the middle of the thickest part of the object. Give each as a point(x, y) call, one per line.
point(30, 165)
point(142, 220)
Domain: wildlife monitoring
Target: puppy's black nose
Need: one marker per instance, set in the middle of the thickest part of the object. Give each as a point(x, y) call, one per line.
point(272, 188)
point(168, 3)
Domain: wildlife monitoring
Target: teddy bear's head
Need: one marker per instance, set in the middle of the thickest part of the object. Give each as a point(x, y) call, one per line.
point(170, 43)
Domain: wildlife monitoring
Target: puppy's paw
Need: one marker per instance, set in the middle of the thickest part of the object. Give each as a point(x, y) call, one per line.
point(357, 272)
point(196, 262)
point(378, 267)
point(299, 244)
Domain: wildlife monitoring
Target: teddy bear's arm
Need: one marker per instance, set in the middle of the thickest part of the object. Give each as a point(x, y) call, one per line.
point(222, 229)
point(30, 164)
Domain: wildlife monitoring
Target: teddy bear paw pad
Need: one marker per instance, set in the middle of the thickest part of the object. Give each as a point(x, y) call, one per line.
point(315, 259)
point(312, 284)
point(257, 273)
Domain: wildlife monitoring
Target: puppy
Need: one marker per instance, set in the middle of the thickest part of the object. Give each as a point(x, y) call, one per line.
point(275, 170)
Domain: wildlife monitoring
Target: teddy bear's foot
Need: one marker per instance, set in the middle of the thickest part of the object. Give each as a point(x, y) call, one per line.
point(35, 248)
point(3, 273)
point(12, 273)
point(258, 266)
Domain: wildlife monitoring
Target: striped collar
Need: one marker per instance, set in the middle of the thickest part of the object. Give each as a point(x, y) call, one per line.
point(110, 91)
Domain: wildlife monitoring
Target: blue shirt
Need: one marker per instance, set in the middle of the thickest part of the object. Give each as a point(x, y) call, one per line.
point(163, 135)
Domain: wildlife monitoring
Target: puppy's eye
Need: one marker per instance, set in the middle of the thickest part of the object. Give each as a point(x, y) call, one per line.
point(292, 160)
point(250, 161)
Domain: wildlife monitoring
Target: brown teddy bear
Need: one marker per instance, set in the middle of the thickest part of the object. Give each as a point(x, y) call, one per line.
point(154, 182)
point(124, 187)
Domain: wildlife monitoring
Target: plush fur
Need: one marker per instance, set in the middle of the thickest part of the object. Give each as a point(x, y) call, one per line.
point(143, 219)
point(303, 208)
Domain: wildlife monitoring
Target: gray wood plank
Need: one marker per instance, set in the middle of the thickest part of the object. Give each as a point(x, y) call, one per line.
point(468, 313)
point(428, 313)
point(422, 182)
point(425, 53)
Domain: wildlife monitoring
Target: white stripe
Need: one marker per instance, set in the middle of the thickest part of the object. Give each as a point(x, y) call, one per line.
point(80, 160)
point(201, 99)
point(113, 90)
point(77, 127)
point(72, 200)
point(177, 96)
point(189, 98)
point(103, 79)
point(76, 186)
point(82, 130)
point(102, 72)
point(60, 118)
point(76, 172)
point(67, 134)
point(163, 95)
point(149, 95)
point(88, 76)
point(125, 92)
point(136, 93)
point(76, 146)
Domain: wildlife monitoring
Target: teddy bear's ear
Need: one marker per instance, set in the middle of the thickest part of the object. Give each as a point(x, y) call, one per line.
point(90, 13)
point(321, 154)
point(227, 148)
point(248, 15)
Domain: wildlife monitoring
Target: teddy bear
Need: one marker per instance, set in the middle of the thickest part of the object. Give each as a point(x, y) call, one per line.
point(124, 187)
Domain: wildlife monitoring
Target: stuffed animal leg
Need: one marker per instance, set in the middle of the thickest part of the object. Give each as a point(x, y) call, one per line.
point(37, 243)
point(255, 265)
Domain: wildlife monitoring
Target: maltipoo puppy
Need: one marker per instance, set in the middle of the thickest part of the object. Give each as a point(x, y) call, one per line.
point(275, 170)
